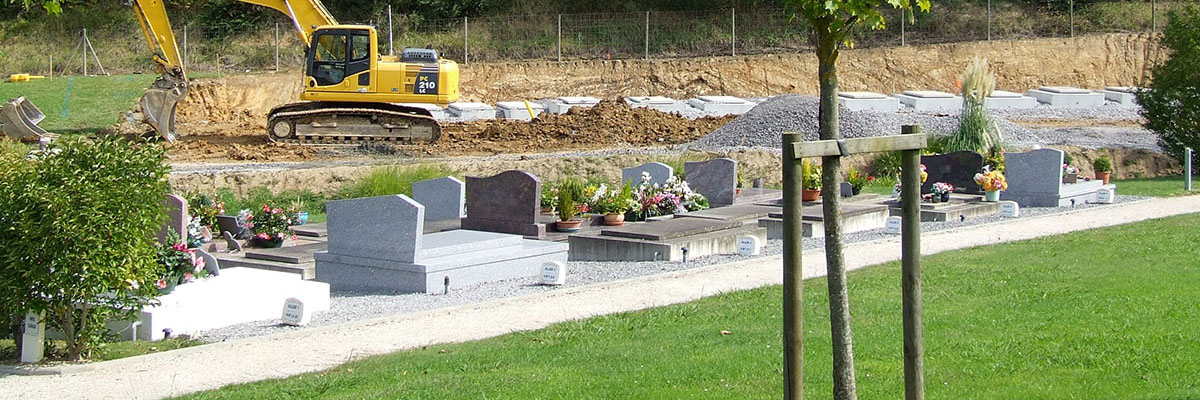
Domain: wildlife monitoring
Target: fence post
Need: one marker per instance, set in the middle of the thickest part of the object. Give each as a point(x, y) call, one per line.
point(185, 46)
point(559, 37)
point(465, 41)
point(1187, 169)
point(733, 28)
point(989, 20)
point(793, 267)
point(902, 21)
point(910, 279)
point(1153, 15)
point(276, 47)
point(391, 47)
point(1072, 3)
point(83, 50)
point(647, 50)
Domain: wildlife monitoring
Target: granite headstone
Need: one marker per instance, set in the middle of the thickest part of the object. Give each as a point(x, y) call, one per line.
point(659, 173)
point(957, 168)
point(716, 179)
point(210, 263)
point(383, 228)
point(1036, 171)
point(508, 202)
point(443, 198)
point(177, 218)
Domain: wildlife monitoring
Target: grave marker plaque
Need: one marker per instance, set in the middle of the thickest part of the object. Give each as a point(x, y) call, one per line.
point(1010, 209)
point(1105, 196)
point(554, 273)
point(294, 313)
point(32, 339)
point(749, 246)
point(894, 224)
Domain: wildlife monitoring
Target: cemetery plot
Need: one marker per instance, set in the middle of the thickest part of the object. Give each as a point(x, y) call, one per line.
point(856, 217)
point(1001, 99)
point(508, 202)
point(867, 101)
point(960, 206)
point(930, 100)
point(563, 104)
point(1035, 180)
point(662, 240)
point(957, 168)
point(1065, 96)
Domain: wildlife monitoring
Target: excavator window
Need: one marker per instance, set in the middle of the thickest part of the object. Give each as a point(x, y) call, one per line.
point(360, 47)
point(329, 59)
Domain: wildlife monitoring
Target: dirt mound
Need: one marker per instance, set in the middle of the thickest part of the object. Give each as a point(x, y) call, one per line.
point(608, 124)
point(244, 100)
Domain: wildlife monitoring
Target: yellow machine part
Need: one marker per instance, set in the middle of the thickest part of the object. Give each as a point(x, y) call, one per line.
point(24, 77)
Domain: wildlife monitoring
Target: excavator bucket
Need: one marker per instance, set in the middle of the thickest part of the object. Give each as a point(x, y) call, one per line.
point(20, 118)
point(158, 106)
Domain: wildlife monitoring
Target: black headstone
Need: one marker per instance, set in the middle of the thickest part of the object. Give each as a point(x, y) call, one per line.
point(508, 202)
point(957, 168)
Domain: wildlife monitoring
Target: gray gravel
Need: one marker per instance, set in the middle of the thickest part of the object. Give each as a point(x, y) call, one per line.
point(347, 307)
point(761, 127)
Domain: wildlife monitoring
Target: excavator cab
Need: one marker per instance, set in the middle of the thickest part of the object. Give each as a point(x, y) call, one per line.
point(344, 65)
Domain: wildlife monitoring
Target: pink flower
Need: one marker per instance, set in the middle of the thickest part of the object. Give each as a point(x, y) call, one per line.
point(263, 236)
point(161, 283)
point(187, 277)
point(179, 247)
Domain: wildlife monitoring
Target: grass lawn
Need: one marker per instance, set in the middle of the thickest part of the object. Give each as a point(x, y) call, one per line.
point(1107, 313)
point(1166, 186)
point(94, 102)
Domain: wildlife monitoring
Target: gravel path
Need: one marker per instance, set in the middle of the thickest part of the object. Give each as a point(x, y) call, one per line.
point(289, 353)
point(346, 307)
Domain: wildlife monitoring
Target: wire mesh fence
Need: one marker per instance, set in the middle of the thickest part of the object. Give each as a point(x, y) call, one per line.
point(564, 37)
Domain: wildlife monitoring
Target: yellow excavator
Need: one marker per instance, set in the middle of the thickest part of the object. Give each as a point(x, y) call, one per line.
point(350, 90)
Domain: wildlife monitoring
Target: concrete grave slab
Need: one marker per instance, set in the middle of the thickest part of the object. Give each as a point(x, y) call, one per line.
point(959, 207)
point(435, 110)
point(716, 179)
point(601, 247)
point(444, 198)
point(957, 168)
point(738, 212)
point(867, 101)
point(670, 229)
point(664, 104)
point(519, 110)
point(508, 202)
point(856, 217)
point(563, 104)
point(1123, 95)
point(291, 255)
point(1065, 96)
point(758, 196)
point(316, 230)
point(721, 105)
point(659, 173)
point(1008, 100)
point(471, 111)
point(930, 100)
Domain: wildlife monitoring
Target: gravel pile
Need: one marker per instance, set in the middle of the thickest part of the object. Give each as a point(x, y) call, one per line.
point(761, 127)
point(347, 307)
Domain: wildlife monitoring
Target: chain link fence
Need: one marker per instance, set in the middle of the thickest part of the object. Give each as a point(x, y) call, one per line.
point(567, 37)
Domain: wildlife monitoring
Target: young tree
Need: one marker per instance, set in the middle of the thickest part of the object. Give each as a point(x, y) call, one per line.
point(832, 22)
point(1171, 103)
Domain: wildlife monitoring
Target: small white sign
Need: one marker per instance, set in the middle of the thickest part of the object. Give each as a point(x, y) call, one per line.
point(894, 225)
point(1010, 209)
point(749, 246)
point(1106, 195)
point(294, 313)
point(554, 273)
point(31, 341)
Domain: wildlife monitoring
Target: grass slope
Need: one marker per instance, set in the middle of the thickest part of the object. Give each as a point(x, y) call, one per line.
point(92, 103)
point(1107, 313)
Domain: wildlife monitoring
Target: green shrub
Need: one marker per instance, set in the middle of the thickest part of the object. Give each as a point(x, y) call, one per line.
point(976, 131)
point(1171, 103)
point(1102, 164)
point(886, 166)
point(78, 226)
point(393, 179)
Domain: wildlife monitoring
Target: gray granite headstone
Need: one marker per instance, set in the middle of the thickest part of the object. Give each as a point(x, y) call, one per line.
point(847, 189)
point(957, 168)
point(177, 218)
point(508, 202)
point(715, 179)
point(229, 223)
point(210, 262)
point(1037, 171)
point(383, 228)
point(659, 173)
point(443, 198)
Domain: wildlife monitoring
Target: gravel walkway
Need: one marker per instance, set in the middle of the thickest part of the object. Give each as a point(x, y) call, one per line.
point(289, 353)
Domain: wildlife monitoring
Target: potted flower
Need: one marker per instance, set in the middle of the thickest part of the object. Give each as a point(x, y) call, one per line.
point(811, 177)
point(858, 180)
point(179, 265)
point(566, 214)
point(941, 191)
point(614, 204)
point(992, 183)
point(1103, 167)
point(270, 226)
point(1070, 174)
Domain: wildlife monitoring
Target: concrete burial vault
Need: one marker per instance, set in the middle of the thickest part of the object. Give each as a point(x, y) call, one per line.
point(376, 245)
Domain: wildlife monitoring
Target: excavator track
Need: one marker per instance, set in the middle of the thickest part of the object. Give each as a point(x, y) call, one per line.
point(333, 123)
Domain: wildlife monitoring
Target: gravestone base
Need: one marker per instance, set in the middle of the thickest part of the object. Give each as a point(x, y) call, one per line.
point(1082, 193)
point(1008, 100)
point(739, 212)
point(757, 196)
point(924, 101)
point(563, 104)
point(960, 205)
point(855, 218)
point(314, 230)
point(721, 105)
point(664, 104)
point(471, 111)
point(467, 257)
point(491, 225)
point(1121, 95)
point(1068, 98)
point(602, 247)
point(238, 295)
point(519, 110)
point(866, 101)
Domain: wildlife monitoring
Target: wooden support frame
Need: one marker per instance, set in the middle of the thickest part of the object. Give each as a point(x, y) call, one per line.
point(910, 143)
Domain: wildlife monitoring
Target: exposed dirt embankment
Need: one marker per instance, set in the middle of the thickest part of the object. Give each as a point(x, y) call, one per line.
point(1091, 61)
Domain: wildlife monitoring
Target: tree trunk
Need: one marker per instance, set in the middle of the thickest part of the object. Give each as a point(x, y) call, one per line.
point(839, 303)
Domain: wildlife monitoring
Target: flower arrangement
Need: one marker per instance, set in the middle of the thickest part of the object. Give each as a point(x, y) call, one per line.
point(549, 197)
point(811, 175)
point(858, 180)
point(613, 201)
point(198, 233)
point(1068, 169)
point(271, 224)
point(180, 265)
point(673, 196)
point(897, 187)
point(991, 181)
point(942, 188)
point(924, 175)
